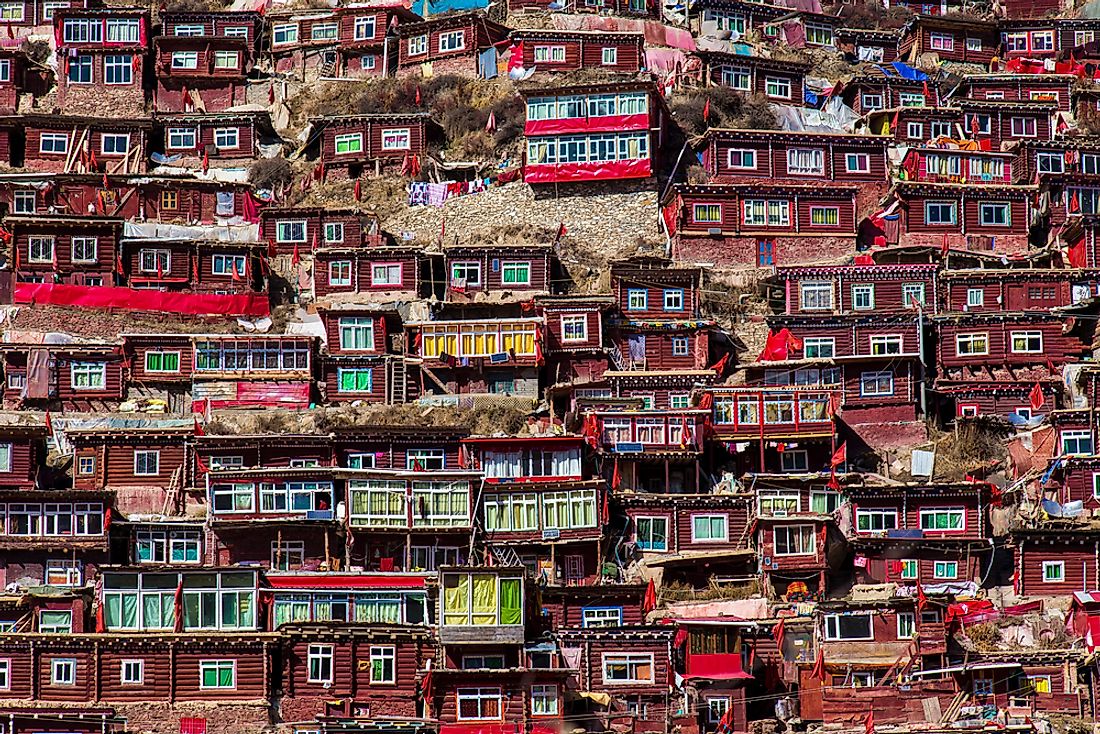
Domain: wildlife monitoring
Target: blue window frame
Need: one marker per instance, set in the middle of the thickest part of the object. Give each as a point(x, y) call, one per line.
point(765, 253)
point(674, 299)
point(637, 299)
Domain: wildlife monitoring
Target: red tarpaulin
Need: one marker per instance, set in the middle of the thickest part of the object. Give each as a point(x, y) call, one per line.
point(551, 172)
point(347, 581)
point(129, 299)
point(719, 666)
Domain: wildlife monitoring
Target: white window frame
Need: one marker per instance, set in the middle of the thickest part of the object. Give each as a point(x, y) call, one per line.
point(63, 671)
point(131, 672)
point(319, 658)
point(709, 517)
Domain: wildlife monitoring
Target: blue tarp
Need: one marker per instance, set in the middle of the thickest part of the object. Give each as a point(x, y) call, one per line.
point(428, 8)
point(908, 72)
point(810, 97)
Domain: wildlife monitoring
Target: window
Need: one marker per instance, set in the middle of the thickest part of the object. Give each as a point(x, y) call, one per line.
point(706, 213)
point(425, 459)
point(876, 384)
point(226, 59)
point(182, 138)
point(226, 138)
point(357, 333)
point(637, 299)
point(88, 376)
point(709, 528)
point(975, 297)
point(610, 56)
point(189, 31)
point(1078, 442)
point(118, 69)
point(354, 379)
point(365, 28)
point(57, 143)
point(349, 143)
point(973, 44)
point(339, 273)
point(818, 347)
point(367, 63)
point(549, 54)
point(717, 706)
point(983, 685)
point(334, 232)
point(619, 668)
point(942, 519)
point(574, 328)
point(55, 622)
point(146, 463)
point(793, 460)
point(910, 569)
point(1023, 127)
point(1049, 163)
point(398, 138)
point(886, 344)
point(736, 77)
point(679, 346)
point(816, 296)
point(765, 253)
point(871, 101)
point(383, 665)
point(452, 41)
point(465, 274)
point(41, 249)
point(907, 625)
point(818, 34)
point(385, 274)
point(972, 344)
point(11, 12)
point(115, 144)
point(679, 400)
point(228, 265)
point(86, 465)
point(544, 698)
point(516, 273)
point(778, 87)
point(63, 672)
point(5, 675)
point(994, 215)
point(1054, 572)
point(169, 199)
point(674, 299)
point(418, 45)
point(479, 704)
point(945, 570)
point(940, 212)
point(741, 160)
point(824, 503)
point(185, 59)
point(876, 520)
point(863, 297)
point(651, 533)
point(857, 163)
point(1027, 342)
point(848, 627)
point(942, 42)
point(80, 69)
point(1080, 38)
point(914, 130)
point(795, 540)
point(319, 660)
point(132, 672)
point(218, 674)
point(1040, 683)
point(601, 617)
point(806, 161)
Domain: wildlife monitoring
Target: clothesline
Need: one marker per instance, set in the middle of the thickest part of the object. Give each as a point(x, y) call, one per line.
point(425, 193)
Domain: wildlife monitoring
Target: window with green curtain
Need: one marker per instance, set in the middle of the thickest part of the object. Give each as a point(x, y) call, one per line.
point(486, 602)
point(151, 609)
point(456, 599)
point(511, 601)
point(355, 380)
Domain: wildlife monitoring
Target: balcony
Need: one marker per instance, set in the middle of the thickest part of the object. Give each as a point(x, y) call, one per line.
point(645, 432)
point(468, 343)
point(774, 413)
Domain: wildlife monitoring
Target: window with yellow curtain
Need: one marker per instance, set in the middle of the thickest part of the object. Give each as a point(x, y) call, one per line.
point(519, 338)
point(486, 599)
point(479, 341)
point(456, 599)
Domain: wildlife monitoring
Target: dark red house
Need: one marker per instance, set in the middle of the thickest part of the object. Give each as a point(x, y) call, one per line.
point(554, 50)
point(102, 60)
point(353, 145)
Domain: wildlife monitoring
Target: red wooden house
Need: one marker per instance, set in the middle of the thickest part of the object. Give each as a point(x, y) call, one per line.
point(692, 537)
point(593, 606)
point(627, 8)
point(358, 363)
point(870, 92)
point(555, 50)
point(73, 250)
point(347, 41)
point(498, 272)
point(917, 125)
point(386, 272)
point(217, 140)
point(200, 73)
point(1053, 88)
point(989, 217)
point(101, 60)
point(22, 454)
point(64, 144)
point(761, 225)
point(453, 44)
point(782, 82)
point(350, 146)
point(379, 667)
point(245, 24)
point(1004, 121)
point(24, 16)
point(13, 66)
point(306, 229)
point(1036, 160)
point(1011, 339)
point(85, 376)
point(241, 370)
point(194, 265)
point(731, 156)
point(955, 165)
point(742, 16)
point(866, 44)
point(1051, 561)
point(128, 459)
point(1041, 38)
point(951, 39)
point(622, 126)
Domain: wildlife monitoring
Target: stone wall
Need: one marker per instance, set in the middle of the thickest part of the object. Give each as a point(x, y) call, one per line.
point(734, 251)
point(222, 717)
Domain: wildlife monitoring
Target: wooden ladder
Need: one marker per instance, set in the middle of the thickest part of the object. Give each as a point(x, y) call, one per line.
point(397, 382)
point(172, 496)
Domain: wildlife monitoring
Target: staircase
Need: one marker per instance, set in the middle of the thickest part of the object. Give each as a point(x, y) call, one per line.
point(396, 382)
point(327, 68)
point(616, 356)
point(505, 555)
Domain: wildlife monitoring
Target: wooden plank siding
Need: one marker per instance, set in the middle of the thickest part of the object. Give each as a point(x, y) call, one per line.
point(773, 156)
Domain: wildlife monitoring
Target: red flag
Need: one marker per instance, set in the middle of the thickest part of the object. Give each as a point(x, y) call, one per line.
point(205, 161)
point(779, 631)
point(1077, 255)
point(236, 273)
point(834, 483)
point(605, 508)
point(178, 606)
point(11, 32)
point(295, 258)
point(720, 366)
point(945, 246)
point(201, 465)
point(922, 600)
point(106, 185)
point(616, 476)
point(418, 96)
point(271, 94)
point(562, 231)
point(357, 193)
point(925, 90)
point(442, 229)
point(313, 243)
point(107, 517)
point(199, 430)
point(195, 270)
point(1035, 397)
point(100, 623)
point(160, 270)
point(1074, 203)
point(819, 665)
point(894, 122)
point(869, 723)
point(974, 125)
point(49, 423)
point(840, 456)
point(649, 602)
point(685, 433)
point(706, 111)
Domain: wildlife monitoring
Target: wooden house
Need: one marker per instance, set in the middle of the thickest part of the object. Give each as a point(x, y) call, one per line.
point(379, 667)
point(242, 370)
point(951, 39)
point(626, 8)
point(478, 273)
point(13, 67)
point(26, 16)
point(307, 229)
point(603, 605)
point(731, 156)
point(58, 537)
point(1051, 88)
point(1004, 121)
point(692, 537)
point(472, 691)
point(1037, 161)
point(622, 126)
point(799, 555)
point(740, 16)
point(649, 443)
point(216, 140)
point(1053, 562)
point(956, 165)
point(869, 92)
point(358, 363)
point(200, 73)
point(919, 125)
point(866, 44)
point(849, 289)
point(138, 463)
point(782, 82)
point(575, 352)
point(653, 389)
point(319, 598)
point(989, 217)
point(22, 454)
point(63, 144)
point(1041, 38)
point(556, 50)
point(244, 24)
point(102, 60)
point(353, 145)
point(717, 669)
point(463, 43)
point(73, 250)
point(193, 265)
point(760, 225)
point(629, 663)
point(1012, 339)
point(81, 376)
point(1036, 681)
point(388, 272)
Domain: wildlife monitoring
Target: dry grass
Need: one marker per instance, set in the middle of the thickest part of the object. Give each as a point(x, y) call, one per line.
point(727, 109)
point(676, 591)
point(973, 446)
point(270, 173)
